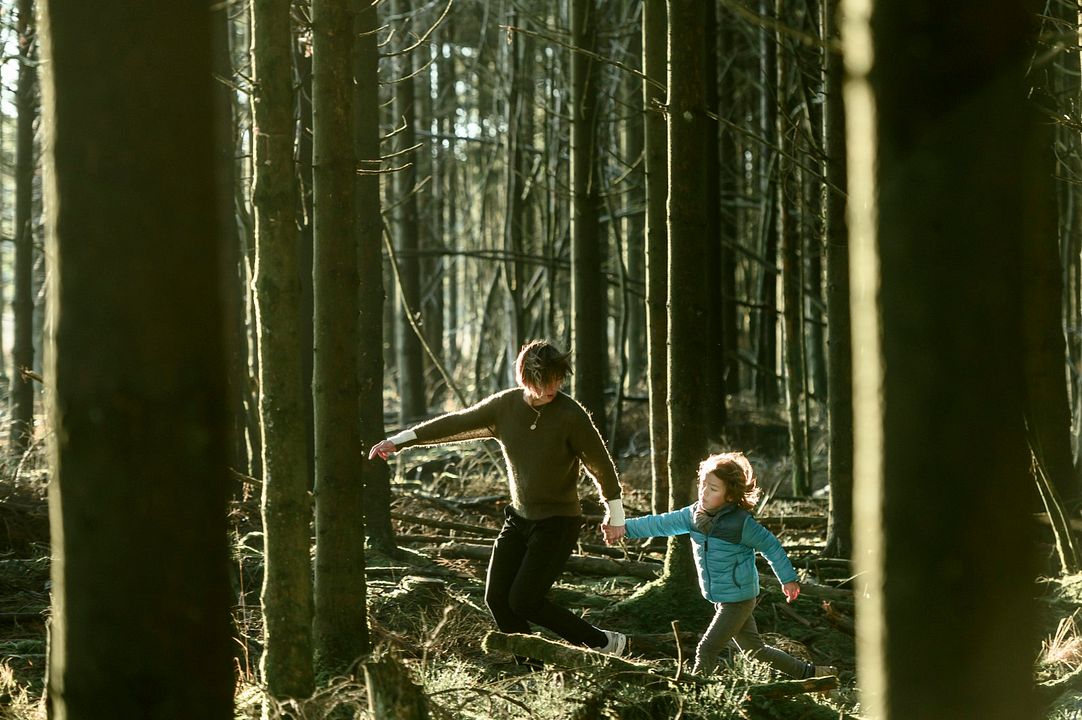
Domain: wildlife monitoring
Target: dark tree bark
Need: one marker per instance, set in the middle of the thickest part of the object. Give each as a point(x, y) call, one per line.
point(732, 168)
point(340, 628)
point(655, 157)
point(302, 62)
point(713, 341)
point(588, 283)
point(286, 504)
point(1048, 411)
point(375, 475)
point(22, 305)
point(766, 324)
point(409, 354)
point(140, 619)
point(516, 229)
point(939, 226)
point(792, 274)
point(840, 396)
point(233, 287)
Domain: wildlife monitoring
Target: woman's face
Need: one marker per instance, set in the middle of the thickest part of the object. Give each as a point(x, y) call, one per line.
point(538, 396)
point(711, 492)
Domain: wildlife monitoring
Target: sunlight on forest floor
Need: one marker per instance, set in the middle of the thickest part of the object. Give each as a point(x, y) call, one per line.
point(426, 609)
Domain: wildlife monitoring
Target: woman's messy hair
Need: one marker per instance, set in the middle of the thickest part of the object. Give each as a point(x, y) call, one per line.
point(733, 469)
point(540, 364)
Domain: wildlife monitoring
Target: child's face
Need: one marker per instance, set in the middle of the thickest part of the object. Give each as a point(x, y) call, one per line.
point(711, 492)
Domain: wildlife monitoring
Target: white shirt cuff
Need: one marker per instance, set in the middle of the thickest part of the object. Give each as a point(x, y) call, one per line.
point(403, 437)
point(616, 511)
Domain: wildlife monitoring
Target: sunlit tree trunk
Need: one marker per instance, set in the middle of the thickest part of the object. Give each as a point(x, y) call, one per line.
point(136, 366)
point(946, 180)
point(655, 157)
point(286, 505)
point(340, 629)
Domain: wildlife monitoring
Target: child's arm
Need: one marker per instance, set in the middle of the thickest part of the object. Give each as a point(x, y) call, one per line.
point(756, 536)
point(676, 522)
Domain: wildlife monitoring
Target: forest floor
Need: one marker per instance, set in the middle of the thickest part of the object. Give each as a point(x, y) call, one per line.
point(427, 614)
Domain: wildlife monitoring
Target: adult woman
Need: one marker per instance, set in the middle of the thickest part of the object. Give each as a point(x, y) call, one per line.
point(546, 437)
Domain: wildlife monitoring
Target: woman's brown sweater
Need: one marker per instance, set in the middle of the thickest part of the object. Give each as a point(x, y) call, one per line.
point(543, 464)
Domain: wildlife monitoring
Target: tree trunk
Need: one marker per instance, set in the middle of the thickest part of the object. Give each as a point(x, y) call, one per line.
point(233, 286)
point(515, 227)
point(286, 504)
point(140, 619)
point(840, 396)
point(655, 157)
point(732, 168)
point(687, 297)
point(589, 288)
point(939, 228)
point(409, 354)
point(375, 474)
point(635, 228)
point(391, 692)
point(22, 305)
point(765, 328)
point(340, 628)
point(1048, 411)
point(714, 342)
point(792, 275)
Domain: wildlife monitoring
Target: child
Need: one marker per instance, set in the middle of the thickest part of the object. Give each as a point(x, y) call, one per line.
point(724, 538)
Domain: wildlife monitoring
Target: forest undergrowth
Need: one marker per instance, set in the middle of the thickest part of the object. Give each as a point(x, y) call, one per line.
point(427, 615)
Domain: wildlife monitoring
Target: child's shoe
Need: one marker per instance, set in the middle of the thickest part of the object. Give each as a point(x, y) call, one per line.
point(616, 643)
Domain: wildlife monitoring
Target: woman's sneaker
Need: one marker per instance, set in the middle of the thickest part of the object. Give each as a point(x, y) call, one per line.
point(616, 643)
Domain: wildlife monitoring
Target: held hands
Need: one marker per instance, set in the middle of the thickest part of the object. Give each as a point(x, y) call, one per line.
point(383, 448)
point(613, 533)
point(791, 590)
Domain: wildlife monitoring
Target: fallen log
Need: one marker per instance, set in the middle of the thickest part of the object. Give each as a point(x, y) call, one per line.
point(558, 653)
point(573, 658)
point(787, 688)
point(810, 590)
point(576, 563)
point(446, 524)
point(433, 539)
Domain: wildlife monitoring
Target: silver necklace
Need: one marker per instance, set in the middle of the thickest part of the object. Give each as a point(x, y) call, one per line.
point(533, 425)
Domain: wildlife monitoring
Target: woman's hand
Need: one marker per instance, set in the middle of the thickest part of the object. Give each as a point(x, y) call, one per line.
point(613, 533)
point(791, 590)
point(383, 448)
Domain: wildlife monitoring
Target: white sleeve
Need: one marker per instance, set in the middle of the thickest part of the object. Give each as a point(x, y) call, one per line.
point(403, 437)
point(616, 511)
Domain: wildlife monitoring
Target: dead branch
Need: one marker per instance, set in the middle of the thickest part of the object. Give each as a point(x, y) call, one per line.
point(838, 619)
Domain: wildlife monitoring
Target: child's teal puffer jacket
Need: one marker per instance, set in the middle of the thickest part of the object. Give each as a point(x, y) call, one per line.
point(725, 559)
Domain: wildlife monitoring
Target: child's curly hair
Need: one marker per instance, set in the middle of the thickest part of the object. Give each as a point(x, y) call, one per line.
point(733, 469)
